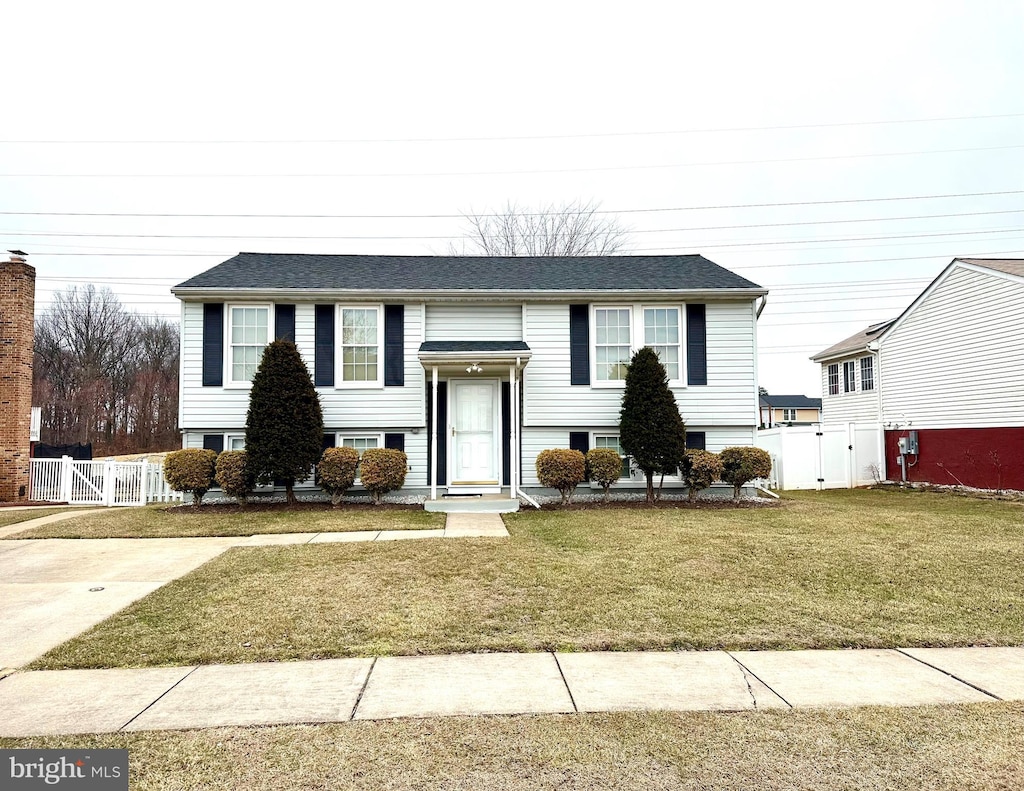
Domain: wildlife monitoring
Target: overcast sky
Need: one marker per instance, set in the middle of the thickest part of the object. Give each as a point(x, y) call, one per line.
point(679, 116)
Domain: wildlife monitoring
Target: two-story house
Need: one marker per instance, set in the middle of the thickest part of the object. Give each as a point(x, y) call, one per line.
point(944, 379)
point(471, 365)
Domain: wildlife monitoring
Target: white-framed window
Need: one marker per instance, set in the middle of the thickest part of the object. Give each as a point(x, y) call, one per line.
point(612, 441)
point(867, 373)
point(360, 442)
point(833, 379)
point(849, 377)
point(234, 442)
point(360, 334)
point(619, 330)
point(788, 415)
point(247, 332)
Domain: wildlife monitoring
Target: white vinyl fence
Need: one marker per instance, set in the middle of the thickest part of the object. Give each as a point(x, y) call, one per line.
point(840, 456)
point(65, 480)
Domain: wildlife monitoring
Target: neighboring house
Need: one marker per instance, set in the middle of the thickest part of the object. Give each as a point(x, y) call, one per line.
point(788, 410)
point(948, 372)
point(471, 365)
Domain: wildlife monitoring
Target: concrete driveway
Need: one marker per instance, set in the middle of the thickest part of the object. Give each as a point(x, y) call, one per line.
point(46, 586)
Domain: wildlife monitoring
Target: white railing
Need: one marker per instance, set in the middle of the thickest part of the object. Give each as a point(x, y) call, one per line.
point(109, 482)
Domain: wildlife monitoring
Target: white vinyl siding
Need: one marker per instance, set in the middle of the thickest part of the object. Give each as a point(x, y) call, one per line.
point(729, 398)
point(219, 409)
point(459, 322)
point(957, 359)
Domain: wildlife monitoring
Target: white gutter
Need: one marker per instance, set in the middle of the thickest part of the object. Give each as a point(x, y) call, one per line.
point(764, 301)
point(459, 295)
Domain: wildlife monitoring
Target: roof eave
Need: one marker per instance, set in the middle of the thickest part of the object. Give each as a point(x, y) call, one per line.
point(546, 295)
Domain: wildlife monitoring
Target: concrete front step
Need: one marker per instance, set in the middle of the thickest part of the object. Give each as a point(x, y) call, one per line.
point(474, 504)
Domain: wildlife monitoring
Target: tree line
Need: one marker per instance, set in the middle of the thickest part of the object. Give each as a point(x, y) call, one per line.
point(106, 375)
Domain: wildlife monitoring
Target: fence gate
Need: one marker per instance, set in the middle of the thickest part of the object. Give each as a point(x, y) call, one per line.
point(85, 486)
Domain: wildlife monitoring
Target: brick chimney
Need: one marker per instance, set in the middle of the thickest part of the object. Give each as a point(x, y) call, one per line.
point(17, 316)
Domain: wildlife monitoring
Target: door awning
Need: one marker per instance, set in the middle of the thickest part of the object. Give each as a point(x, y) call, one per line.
point(462, 352)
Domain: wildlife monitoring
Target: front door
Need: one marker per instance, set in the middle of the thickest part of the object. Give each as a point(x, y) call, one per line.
point(474, 432)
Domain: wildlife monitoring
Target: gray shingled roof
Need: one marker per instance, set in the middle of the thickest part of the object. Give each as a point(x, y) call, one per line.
point(421, 273)
point(790, 402)
point(474, 346)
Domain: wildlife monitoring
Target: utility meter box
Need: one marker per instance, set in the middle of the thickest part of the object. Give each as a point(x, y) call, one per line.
point(908, 444)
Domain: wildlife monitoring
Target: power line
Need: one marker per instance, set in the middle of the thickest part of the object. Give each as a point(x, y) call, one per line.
point(537, 171)
point(525, 214)
point(704, 130)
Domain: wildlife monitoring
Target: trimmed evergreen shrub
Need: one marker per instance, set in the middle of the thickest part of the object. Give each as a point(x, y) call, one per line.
point(231, 475)
point(604, 465)
point(743, 464)
point(337, 470)
point(700, 469)
point(284, 426)
point(562, 469)
point(651, 430)
point(190, 470)
point(382, 470)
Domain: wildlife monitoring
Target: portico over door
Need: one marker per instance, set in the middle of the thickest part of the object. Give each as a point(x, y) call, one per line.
point(475, 432)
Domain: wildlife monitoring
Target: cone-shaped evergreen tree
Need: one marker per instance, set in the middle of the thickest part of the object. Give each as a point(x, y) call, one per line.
point(284, 426)
point(651, 430)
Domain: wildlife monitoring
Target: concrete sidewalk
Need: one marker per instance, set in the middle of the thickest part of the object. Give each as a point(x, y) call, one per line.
point(52, 589)
point(339, 690)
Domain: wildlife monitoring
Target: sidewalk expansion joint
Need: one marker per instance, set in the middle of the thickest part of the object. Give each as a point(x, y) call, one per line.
point(362, 691)
point(747, 672)
point(561, 672)
point(947, 673)
point(159, 698)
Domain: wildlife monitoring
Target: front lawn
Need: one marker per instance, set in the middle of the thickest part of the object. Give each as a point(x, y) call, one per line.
point(949, 748)
point(160, 521)
point(825, 570)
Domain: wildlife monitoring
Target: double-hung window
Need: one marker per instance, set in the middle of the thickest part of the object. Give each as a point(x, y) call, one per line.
point(833, 379)
point(849, 377)
point(867, 373)
point(612, 441)
point(788, 415)
point(360, 355)
point(360, 442)
point(234, 442)
point(248, 333)
point(621, 330)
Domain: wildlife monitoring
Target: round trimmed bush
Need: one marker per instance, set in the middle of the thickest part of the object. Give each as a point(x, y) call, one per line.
point(561, 469)
point(740, 465)
point(231, 475)
point(337, 471)
point(382, 470)
point(604, 465)
point(190, 470)
point(700, 469)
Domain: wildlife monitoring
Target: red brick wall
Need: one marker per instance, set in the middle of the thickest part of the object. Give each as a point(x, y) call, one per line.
point(17, 308)
point(988, 458)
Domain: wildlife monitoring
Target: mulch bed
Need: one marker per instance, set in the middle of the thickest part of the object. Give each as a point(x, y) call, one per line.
point(641, 505)
point(259, 508)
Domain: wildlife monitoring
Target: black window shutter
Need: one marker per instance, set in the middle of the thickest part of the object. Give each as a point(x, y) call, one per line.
point(695, 440)
point(579, 344)
point(213, 442)
point(284, 323)
point(580, 440)
point(395, 441)
point(213, 344)
point(696, 345)
point(440, 425)
point(394, 345)
point(323, 346)
point(506, 434)
point(327, 442)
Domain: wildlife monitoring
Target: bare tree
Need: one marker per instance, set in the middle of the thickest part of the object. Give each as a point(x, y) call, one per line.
point(105, 375)
point(576, 228)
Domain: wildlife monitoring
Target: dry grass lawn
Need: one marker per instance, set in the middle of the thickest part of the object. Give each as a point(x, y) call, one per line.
point(157, 521)
point(955, 748)
point(10, 516)
point(826, 570)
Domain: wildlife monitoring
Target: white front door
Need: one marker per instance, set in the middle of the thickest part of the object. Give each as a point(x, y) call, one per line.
point(474, 432)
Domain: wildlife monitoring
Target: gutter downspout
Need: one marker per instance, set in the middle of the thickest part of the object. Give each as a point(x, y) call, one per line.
point(517, 439)
point(764, 301)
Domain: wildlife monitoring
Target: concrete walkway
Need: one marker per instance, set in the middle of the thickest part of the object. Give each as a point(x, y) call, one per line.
point(52, 589)
point(339, 690)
